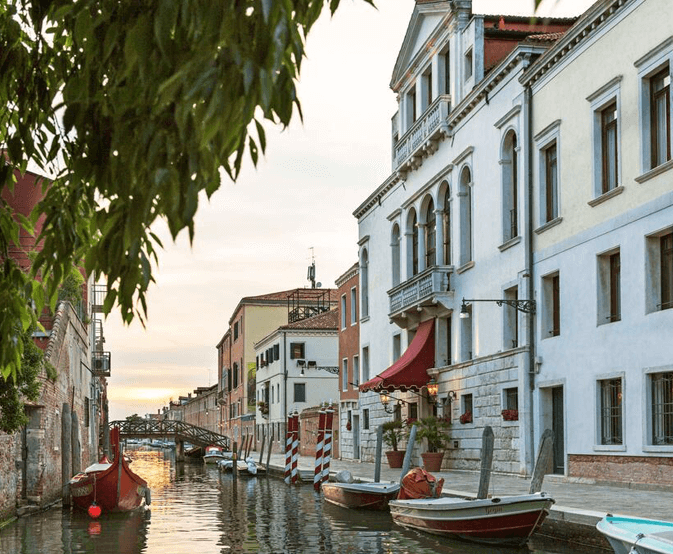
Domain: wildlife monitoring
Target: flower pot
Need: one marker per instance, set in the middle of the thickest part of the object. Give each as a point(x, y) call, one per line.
point(432, 461)
point(395, 458)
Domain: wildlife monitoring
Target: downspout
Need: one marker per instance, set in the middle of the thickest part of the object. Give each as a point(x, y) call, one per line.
point(529, 374)
point(284, 410)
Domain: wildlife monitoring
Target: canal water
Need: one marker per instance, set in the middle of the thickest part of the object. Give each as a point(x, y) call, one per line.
point(197, 510)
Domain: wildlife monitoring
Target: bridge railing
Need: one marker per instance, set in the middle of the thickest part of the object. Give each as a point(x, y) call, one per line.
point(139, 428)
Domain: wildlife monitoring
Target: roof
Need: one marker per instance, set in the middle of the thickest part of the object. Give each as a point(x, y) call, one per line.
point(409, 372)
point(545, 37)
point(327, 321)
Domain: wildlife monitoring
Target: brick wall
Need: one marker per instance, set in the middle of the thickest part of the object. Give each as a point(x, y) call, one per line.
point(309, 420)
point(622, 469)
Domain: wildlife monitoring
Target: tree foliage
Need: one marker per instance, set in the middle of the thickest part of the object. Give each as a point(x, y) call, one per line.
point(134, 107)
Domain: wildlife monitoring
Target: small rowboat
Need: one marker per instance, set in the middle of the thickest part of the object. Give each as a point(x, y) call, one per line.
point(508, 520)
point(214, 454)
point(637, 535)
point(110, 485)
point(371, 496)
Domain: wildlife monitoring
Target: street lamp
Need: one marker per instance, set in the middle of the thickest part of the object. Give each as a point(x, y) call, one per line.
point(526, 306)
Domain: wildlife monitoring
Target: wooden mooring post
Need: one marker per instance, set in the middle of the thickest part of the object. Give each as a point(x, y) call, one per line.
point(234, 465)
point(487, 440)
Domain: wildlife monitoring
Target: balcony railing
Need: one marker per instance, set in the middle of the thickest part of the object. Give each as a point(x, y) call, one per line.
point(422, 286)
point(98, 293)
point(101, 362)
point(425, 128)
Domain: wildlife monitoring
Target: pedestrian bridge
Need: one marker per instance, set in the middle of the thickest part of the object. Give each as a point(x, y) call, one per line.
point(179, 431)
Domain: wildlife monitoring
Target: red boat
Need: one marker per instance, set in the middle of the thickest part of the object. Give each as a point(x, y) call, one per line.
point(110, 485)
point(371, 496)
point(508, 520)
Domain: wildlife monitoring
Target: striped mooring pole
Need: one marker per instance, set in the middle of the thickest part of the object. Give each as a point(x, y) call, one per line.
point(288, 449)
point(295, 447)
point(317, 476)
point(327, 448)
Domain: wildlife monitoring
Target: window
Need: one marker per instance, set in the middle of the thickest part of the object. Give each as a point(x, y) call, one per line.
point(510, 320)
point(662, 408)
point(411, 106)
point(397, 347)
point(430, 236)
point(343, 311)
point(449, 341)
point(659, 271)
point(465, 195)
point(468, 64)
point(395, 254)
point(666, 249)
point(446, 224)
point(660, 117)
point(344, 374)
point(300, 392)
point(86, 411)
point(365, 364)
point(236, 331)
point(412, 410)
point(511, 398)
point(364, 284)
point(466, 403)
point(509, 162)
point(609, 140)
point(276, 351)
point(427, 88)
point(611, 411)
point(356, 370)
point(414, 243)
point(445, 65)
point(551, 321)
point(609, 288)
point(235, 371)
point(365, 419)
point(466, 336)
point(297, 350)
point(550, 183)
point(397, 413)
point(354, 306)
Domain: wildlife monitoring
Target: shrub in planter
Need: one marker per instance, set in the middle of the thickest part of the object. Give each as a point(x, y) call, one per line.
point(435, 431)
point(393, 433)
point(466, 417)
point(510, 415)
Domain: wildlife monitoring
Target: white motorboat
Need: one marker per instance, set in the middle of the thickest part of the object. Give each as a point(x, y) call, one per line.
point(633, 535)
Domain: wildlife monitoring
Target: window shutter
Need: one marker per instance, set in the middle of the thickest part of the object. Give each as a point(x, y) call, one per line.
point(276, 351)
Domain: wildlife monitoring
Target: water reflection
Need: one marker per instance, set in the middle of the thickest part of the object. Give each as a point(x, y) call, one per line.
point(197, 509)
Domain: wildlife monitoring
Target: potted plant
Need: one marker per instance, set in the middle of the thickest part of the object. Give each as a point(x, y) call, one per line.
point(263, 407)
point(466, 417)
point(393, 433)
point(434, 430)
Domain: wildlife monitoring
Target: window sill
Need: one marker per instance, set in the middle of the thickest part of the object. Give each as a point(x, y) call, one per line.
point(550, 336)
point(655, 171)
point(606, 196)
point(508, 423)
point(463, 268)
point(609, 448)
point(553, 223)
point(364, 319)
point(508, 244)
point(656, 448)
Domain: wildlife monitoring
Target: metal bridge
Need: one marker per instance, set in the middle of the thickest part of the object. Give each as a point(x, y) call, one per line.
point(179, 431)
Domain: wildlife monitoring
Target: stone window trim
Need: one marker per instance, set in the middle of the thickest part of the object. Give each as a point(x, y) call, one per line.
point(547, 138)
point(654, 172)
point(599, 379)
point(553, 223)
point(653, 273)
point(606, 196)
point(604, 97)
point(647, 446)
point(608, 273)
point(648, 66)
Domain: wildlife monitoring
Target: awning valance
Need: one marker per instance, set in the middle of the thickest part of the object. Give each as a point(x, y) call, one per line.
point(410, 371)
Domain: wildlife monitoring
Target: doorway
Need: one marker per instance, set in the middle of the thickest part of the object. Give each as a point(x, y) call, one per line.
point(558, 430)
point(356, 437)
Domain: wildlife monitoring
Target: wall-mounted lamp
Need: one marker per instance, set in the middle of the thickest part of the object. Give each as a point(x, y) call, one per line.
point(385, 400)
point(433, 389)
point(301, 363)
point(301, 373)
point(526, 306)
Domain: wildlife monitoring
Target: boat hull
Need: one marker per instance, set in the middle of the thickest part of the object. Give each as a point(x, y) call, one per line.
point(637, 535)
point(370, 496)
point(507, 520)
point(115, 489)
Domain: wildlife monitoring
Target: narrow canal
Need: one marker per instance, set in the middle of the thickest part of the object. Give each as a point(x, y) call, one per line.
point(195, 509)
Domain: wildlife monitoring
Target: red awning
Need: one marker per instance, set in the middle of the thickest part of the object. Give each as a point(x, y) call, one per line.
point(410, 371)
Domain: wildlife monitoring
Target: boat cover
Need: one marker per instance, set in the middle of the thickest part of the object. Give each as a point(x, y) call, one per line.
point(418, 483)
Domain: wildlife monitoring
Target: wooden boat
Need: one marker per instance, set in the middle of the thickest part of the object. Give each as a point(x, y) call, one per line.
point(110, 485)
point(213, 454)
point(244, 467)
point(371, 496)
point(507, 520)
point(637, 535)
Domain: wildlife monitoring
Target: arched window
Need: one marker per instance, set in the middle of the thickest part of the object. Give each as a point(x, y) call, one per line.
point(509, 187)
point(395, 254)
point(414, 244)
point(446, 216)
point(430, 235)
point(466, 253)
point(364, 284)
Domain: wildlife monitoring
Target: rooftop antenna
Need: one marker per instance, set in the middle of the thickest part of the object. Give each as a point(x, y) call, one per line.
point(311, 271)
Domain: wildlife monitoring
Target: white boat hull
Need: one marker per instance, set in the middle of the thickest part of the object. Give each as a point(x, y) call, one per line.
point(630, 535)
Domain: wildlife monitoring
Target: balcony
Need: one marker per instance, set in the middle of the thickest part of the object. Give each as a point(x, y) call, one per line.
point(421, 140)
point(98, 293)
point(428, 287)
point(101, 364)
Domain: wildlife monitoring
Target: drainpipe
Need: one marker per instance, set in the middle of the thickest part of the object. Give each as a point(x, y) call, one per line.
point(284, 410)
point(529, 372)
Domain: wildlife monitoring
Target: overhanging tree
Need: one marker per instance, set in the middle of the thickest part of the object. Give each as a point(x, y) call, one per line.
point(134, 106)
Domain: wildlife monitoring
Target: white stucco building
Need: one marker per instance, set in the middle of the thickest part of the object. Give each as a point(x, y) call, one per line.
point(603, 241)
point(451, 223)
point(297, 368)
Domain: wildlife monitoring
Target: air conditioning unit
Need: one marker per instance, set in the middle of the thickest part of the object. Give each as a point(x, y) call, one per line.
point(101, 364)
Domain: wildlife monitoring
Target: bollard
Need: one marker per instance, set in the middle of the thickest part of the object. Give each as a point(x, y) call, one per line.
point(327, 448)
point(317, 475)
point(295, 447)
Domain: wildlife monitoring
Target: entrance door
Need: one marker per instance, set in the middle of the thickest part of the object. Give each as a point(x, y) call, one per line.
point(356, 437)
point(557, 429)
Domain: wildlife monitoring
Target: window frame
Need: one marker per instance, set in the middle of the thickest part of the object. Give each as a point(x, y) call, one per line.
point(354, 306)
point(551, 308)
point(603, 412)
point(344, 374)
point(650, 444)
point(609, 305)
point(549, 137)
point(658, 294)
point(295, 388)
point(343, 311)
point(297, 348)
point(356, 370)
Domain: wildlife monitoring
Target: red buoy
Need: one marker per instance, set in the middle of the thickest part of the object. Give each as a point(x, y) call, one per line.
point(94, 510)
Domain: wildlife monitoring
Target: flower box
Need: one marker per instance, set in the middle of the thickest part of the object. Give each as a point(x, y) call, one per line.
point(510, 415)
point(466, 417)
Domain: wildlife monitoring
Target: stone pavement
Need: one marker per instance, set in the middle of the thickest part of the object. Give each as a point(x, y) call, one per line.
point(579, 504)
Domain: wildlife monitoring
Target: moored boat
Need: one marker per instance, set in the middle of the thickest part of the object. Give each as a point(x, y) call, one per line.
point(213, 454)
point(110, 485)
point(507, 520)
point(371, 496)
point(634, 535)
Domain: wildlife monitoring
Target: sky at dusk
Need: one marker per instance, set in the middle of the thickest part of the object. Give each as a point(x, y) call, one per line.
point(256, 236)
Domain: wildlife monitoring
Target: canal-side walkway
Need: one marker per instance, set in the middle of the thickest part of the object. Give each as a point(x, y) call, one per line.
point(579, 504)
